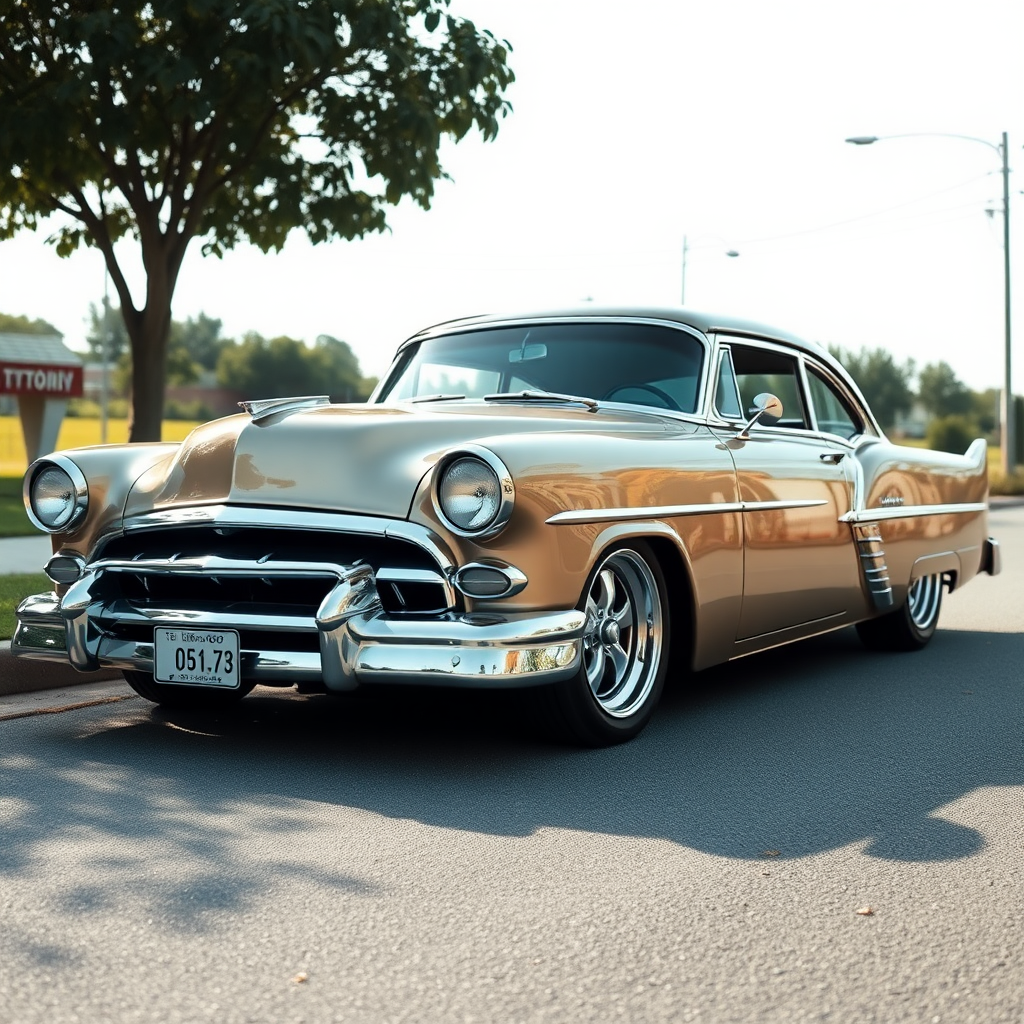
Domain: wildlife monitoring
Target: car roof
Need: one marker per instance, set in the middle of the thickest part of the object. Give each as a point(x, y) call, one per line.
point(706, 323)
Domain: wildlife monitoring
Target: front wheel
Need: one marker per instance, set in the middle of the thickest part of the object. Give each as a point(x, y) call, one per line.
point(625, 650)
point(185, 698)
point(909, 627)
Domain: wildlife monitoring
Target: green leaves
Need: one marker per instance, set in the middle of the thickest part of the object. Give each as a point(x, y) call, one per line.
point(230, 121)
point(198, 105)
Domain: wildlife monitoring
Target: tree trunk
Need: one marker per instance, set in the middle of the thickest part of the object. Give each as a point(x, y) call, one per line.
point(149, 332)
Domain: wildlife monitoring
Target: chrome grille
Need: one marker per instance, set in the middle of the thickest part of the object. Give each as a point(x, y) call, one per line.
point(412, 583)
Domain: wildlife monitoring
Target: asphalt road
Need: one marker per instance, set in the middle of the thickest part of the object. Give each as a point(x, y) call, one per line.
point(416, 856)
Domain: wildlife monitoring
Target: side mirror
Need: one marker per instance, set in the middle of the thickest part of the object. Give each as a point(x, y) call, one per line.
point(767, 409)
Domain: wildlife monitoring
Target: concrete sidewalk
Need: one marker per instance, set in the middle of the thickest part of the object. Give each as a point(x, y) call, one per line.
point(24, 554)
point(19, 675)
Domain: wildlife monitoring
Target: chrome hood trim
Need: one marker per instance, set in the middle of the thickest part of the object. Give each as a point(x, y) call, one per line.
point(261, 408)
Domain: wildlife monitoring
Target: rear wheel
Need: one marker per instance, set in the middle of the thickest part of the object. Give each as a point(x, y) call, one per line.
point(911, 626)
point(625, 651)
point(195, 698)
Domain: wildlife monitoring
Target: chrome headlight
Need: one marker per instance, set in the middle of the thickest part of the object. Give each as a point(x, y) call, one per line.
point(56, 494)
point(473, 492)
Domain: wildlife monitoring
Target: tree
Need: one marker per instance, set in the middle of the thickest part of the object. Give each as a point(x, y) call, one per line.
point(884, 383)
point(115, 344)
point(11, 324)
point(200, 337)
point(942, 393)
point(227, 121)
point(283, 366)
point(180, 367)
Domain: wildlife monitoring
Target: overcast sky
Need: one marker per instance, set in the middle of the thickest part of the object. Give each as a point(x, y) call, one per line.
point(638, 124)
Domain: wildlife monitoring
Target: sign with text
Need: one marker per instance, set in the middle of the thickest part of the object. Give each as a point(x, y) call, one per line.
point(40, 379)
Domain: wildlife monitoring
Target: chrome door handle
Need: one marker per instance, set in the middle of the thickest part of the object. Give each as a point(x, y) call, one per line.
point(833, 458)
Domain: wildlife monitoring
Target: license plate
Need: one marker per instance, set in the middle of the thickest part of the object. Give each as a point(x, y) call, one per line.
point(196, 657)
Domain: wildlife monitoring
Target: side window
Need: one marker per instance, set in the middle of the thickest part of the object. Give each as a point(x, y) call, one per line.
point(832, 411)
point(761, 369)
point(727, 397)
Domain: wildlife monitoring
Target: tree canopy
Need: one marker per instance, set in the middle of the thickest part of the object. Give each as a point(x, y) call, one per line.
point(13, 324)
point(227, 121)
point(942, 393)
point(886, 384)
point(284, 366)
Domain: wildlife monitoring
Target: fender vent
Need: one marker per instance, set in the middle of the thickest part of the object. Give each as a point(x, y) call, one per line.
point(872, 563)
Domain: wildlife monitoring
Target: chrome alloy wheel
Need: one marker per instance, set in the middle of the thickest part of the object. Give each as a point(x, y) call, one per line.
point(622, 647)
point(924, 600)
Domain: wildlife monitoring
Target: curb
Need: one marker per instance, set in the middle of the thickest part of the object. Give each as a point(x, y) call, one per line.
point(22, 675)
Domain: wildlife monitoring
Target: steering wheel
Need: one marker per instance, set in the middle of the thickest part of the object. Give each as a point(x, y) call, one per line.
point(664, 396)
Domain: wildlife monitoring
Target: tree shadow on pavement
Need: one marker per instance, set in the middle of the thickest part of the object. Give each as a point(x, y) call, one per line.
point(801, 750)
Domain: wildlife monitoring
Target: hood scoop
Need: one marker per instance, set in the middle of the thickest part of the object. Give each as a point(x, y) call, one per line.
point(261, 408)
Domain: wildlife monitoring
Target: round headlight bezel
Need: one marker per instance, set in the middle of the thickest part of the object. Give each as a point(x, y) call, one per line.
point(77, 486)
point(506, 490)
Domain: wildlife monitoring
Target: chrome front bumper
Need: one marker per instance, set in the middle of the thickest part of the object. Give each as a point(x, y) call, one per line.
point(358, 642)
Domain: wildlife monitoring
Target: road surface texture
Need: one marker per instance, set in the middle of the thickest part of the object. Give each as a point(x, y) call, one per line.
point(815, 834)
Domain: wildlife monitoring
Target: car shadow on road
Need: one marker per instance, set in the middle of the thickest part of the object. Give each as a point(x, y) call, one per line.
point(799, 750)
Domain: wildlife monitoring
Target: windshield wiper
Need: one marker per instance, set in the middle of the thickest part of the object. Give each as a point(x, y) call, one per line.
point(541, 396)
point(436, 398)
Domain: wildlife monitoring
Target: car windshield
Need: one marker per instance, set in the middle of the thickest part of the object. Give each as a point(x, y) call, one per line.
point(645, 364)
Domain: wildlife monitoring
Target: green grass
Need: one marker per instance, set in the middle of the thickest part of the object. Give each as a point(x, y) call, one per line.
point(13, 589)
point(13, 521)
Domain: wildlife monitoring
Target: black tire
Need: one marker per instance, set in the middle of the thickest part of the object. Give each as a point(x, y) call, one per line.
point(625, 657)
point(912, 625)
point(186, 698)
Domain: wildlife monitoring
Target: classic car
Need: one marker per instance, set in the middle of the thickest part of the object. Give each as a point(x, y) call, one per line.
point(556, 500)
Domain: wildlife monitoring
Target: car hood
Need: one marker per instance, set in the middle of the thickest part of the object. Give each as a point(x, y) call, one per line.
point(365, 459)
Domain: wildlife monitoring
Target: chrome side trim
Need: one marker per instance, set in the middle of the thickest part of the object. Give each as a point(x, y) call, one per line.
point(296, 519)
point(911, 511)
point(872, 562)
point(600, 515)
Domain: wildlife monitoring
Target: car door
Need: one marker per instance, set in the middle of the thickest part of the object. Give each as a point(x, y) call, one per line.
point(800, 568)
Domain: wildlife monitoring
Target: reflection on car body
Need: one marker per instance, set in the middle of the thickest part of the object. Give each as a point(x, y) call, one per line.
point(553, 500)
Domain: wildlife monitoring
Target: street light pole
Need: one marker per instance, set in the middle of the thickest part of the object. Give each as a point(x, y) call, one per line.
point(1007, 426)
point(682, 281)
point(1009, 433)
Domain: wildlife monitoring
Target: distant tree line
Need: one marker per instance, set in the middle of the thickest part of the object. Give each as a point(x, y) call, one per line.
point(260, 367)
point(10, 324)
point(279, 367)
point(956, 414)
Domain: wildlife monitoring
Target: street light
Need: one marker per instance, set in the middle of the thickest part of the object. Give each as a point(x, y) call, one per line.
point(682, 281)
point(1006, 425)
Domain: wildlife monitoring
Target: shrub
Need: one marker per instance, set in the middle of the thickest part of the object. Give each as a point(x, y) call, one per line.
point(1012, 484)
point(196, 410)
point(951, 434)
